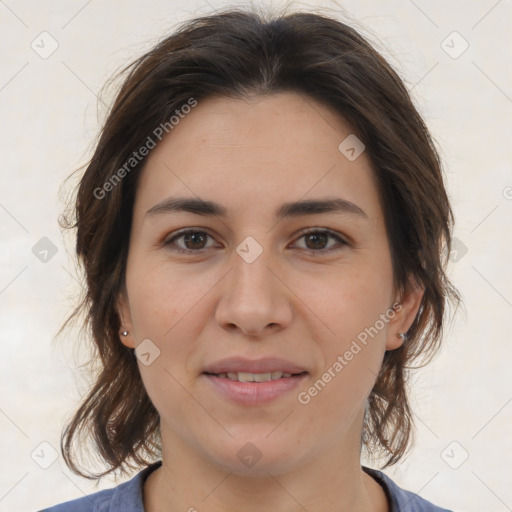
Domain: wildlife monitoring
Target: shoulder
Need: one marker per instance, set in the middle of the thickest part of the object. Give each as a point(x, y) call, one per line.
point(97, 502)
point(402, 500)
point(126, 497)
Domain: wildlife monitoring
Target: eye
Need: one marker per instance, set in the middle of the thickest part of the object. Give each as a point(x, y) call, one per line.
point(319, 238)
point(194, 239)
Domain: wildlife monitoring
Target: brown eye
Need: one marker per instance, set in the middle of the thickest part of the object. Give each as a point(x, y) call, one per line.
point(316, 241)
point(196, 240)
point(193, 241)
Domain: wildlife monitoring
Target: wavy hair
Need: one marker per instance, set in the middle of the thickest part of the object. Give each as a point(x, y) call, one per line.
point(241, 53)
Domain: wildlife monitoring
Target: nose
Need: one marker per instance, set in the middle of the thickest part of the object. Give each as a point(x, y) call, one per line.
point(254, 298)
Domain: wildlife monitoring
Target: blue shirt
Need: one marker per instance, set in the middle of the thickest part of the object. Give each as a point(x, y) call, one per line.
point(127, 497)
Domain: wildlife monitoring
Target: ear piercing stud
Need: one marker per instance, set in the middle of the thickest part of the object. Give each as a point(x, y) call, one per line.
point(401, 335)
point(124, 333)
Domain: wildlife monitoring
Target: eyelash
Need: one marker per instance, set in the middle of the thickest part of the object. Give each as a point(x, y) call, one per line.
point(315, 252)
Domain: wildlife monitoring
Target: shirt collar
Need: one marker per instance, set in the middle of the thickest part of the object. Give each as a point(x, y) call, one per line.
point(129, 496)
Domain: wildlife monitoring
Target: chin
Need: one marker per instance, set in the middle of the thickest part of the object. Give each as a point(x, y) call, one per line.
point(257, 455)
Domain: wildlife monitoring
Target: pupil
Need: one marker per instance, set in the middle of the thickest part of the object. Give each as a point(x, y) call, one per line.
point(317, 235)
point(318, 239)
point(192, 236)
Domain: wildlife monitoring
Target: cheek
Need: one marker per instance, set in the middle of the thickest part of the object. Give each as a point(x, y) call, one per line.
point(352, 361)
point(350, 300)
point(165, 310)
point(167, 307)
point(352, 335)
point(160, 296)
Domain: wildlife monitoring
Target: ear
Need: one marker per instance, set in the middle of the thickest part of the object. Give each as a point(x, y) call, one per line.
point(125, 319)
point(406, 308)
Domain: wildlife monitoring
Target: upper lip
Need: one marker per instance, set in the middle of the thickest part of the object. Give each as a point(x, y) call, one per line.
point(264, 365)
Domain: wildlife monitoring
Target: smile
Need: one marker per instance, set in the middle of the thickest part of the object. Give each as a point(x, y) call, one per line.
point(253, 377)
point(253, 388)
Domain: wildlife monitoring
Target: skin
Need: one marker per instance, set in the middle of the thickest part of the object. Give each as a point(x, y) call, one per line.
point(307, 307)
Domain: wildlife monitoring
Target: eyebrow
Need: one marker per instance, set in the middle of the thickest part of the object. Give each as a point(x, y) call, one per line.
point(292, 209)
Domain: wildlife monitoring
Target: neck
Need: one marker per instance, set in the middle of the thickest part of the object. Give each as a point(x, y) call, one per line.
point(332, 481)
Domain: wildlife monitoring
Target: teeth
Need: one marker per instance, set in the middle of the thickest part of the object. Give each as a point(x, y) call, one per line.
point(254, 377)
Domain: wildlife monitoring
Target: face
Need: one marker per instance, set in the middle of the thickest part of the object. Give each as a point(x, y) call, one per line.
point(313, 289)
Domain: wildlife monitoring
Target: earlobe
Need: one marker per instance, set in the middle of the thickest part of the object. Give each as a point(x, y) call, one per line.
point(405, 313)
point(123, 312)
point(400, 339)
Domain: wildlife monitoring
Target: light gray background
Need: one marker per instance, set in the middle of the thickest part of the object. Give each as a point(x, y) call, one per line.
point(49, 120)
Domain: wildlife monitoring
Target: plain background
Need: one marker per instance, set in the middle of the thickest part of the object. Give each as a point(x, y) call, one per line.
point(49, 121)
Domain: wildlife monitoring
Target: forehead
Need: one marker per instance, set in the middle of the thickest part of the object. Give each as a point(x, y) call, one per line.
point(256, 153)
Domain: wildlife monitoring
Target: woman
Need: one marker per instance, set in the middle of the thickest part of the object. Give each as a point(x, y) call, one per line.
point(264, 230)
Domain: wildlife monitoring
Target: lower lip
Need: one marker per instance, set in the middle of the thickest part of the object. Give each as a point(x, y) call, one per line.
point(254, 393)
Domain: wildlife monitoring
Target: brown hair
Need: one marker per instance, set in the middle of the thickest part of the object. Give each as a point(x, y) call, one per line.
point(235, 54)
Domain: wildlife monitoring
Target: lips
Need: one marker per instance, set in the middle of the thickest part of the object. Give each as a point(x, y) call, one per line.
point(252, 382)
point(253, 393)
point(254, 377)
point(237, 365)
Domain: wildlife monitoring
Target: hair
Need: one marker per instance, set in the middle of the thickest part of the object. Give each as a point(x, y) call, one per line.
point(238, 54)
